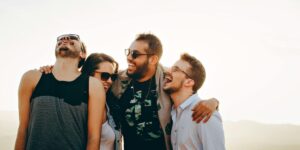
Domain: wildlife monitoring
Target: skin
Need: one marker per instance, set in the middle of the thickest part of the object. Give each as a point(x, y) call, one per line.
point(134, 65)
point(180, 86)
point(104, 67)
point(202, 110)
point(64, 69)
point(26, 87)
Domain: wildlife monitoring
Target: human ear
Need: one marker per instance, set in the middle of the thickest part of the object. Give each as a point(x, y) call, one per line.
point(153, 59)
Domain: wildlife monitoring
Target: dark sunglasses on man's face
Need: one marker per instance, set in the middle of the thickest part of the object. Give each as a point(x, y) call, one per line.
point(70, 36)
point(105, 76)
point(135, 53)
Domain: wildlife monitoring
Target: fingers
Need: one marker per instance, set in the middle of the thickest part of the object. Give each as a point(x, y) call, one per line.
point(197, 112)
point(207, 117)
point(46, 69)
point(201, 117)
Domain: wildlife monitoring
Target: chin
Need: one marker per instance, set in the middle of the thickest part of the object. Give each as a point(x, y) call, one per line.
point(168, 90)
point(130, 73)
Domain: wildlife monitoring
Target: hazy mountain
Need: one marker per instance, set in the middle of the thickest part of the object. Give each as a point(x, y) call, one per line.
point(248, 135)
point(242, 135)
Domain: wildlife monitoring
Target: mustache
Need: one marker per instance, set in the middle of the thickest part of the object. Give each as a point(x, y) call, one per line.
point(63, 49)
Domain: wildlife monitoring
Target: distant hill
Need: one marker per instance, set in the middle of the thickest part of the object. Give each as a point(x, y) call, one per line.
point(248, 135)
point(241, 135)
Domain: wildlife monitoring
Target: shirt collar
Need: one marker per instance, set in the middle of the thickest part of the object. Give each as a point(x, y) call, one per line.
point(189, 101)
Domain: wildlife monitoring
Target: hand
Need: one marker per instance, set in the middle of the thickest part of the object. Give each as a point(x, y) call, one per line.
point(46, 69)
point(204, 110)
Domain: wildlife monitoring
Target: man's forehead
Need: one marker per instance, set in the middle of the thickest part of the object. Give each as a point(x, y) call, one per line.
point(181, 64)
point(139, 45)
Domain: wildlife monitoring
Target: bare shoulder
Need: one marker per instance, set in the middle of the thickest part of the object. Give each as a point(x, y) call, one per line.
point(96, 88)
point(31, 76)
point(94, 83)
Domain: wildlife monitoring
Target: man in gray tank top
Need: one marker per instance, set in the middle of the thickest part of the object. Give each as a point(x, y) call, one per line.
point(63, 109)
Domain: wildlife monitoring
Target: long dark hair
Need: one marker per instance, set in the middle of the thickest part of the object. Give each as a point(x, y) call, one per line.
point(91, 63)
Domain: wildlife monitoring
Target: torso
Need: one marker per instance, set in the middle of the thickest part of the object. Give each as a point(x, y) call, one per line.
point(58, 114)
point(107, 134)
point(140, 123)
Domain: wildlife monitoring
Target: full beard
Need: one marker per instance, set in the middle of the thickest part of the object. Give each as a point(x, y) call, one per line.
point(140, 71)
point(65, 52)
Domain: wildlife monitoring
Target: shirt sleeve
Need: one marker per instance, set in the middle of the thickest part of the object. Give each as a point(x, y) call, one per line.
point(211, 133)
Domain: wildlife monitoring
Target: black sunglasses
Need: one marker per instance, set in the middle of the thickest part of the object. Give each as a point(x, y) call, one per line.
point(71, 36)
point(105, 76)
point(134, 53)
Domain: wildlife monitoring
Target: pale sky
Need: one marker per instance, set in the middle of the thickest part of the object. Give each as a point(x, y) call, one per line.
point(250, 48)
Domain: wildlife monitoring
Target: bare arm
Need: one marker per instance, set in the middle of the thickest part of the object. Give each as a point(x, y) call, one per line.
point(96, 106)
point(26, 87)
point(204, 109)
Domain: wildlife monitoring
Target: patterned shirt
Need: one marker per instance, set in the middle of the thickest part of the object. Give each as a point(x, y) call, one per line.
point(140, 123)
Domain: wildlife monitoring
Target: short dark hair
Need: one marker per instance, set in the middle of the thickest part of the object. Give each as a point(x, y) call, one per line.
point(91, 63)
point(196, 70)
point(155, 46)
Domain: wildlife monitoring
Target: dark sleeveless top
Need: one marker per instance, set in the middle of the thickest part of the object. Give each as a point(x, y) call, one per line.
point(58, 114)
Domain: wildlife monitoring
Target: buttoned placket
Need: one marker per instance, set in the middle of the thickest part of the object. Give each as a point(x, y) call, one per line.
point(177, 123)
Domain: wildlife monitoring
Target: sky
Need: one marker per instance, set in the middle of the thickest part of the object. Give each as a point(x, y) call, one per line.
point(250, 48)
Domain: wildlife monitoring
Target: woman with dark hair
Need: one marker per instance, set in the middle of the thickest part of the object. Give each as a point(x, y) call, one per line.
point(105, 68)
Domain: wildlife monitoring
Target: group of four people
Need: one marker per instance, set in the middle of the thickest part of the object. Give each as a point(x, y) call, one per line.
point(87, 104)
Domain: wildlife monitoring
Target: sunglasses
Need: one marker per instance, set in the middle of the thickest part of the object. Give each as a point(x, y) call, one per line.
point(70, 36)
point(105, 76)
point(135, 53)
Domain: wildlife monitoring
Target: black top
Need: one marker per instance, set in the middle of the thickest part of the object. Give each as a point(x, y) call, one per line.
point(58, 114)
point(139, 117)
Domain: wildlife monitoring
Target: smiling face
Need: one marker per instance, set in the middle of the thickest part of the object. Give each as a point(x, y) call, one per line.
point(68, 46)
point(176, 77)
point(138, 67)
point(104, 67)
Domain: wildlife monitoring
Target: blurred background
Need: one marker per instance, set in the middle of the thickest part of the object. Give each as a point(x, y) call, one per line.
point(250, 49)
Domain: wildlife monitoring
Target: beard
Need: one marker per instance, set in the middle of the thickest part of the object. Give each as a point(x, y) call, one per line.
point(173, 89)
point(65, 52)
point(140, 71)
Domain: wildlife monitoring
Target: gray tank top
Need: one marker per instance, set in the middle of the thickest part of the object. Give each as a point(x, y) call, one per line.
point(58, 114)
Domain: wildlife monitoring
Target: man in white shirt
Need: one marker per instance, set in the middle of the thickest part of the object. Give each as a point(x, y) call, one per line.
point(182, 82)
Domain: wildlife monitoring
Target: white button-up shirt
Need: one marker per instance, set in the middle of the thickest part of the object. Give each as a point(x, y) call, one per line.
point(188, 135)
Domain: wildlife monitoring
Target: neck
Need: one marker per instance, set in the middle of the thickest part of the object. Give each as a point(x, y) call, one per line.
point(66, 68)
point(180, 96)
point(151, 72)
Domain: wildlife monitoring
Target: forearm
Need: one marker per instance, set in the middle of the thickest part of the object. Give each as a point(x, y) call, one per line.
point(20, 140)
point(93, 143)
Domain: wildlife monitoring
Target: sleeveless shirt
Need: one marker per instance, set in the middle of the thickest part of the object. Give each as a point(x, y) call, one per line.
point(58, 114)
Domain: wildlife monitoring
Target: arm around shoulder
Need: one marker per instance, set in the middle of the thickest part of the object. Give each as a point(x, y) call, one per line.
point(96, 106)
point(26, 87)
point(204, 109)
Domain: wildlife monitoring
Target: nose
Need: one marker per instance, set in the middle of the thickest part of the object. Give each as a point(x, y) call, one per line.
point(168, 70)
point(109, 81)
point(129, 57)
